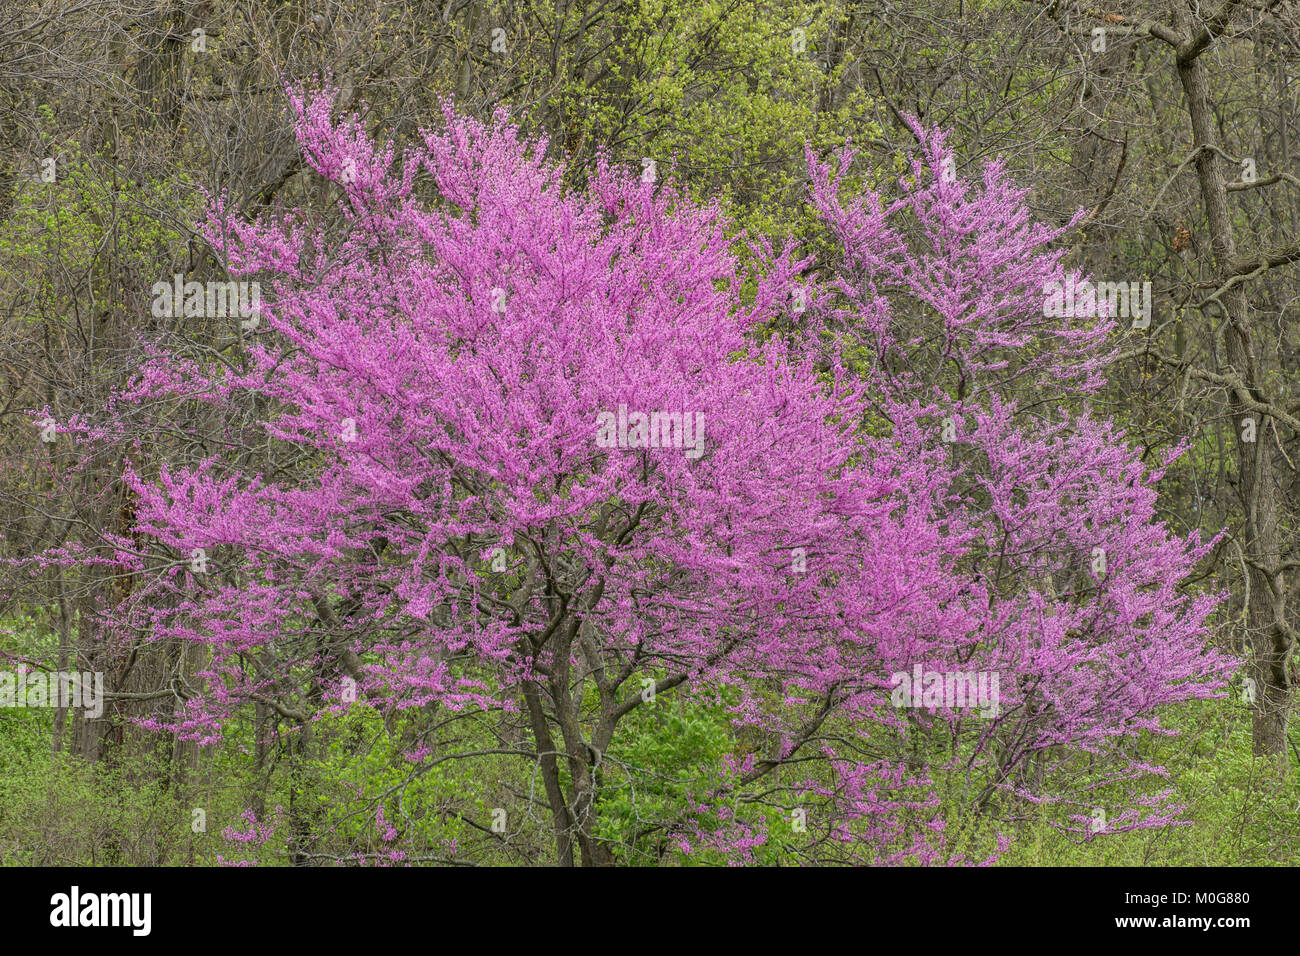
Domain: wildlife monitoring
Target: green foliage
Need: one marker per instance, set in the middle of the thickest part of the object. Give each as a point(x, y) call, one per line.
point(91, 230)
point(1238, 812)
point(729, 92)
point(665, 752)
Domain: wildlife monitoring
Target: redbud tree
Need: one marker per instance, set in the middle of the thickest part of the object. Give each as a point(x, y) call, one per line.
point(565, 456)
point(1074, 583)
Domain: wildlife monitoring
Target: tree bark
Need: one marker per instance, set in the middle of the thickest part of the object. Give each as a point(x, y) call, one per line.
point(1270, 636)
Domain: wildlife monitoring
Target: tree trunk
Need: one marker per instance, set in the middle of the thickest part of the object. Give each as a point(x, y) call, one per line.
point(1270, 636)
